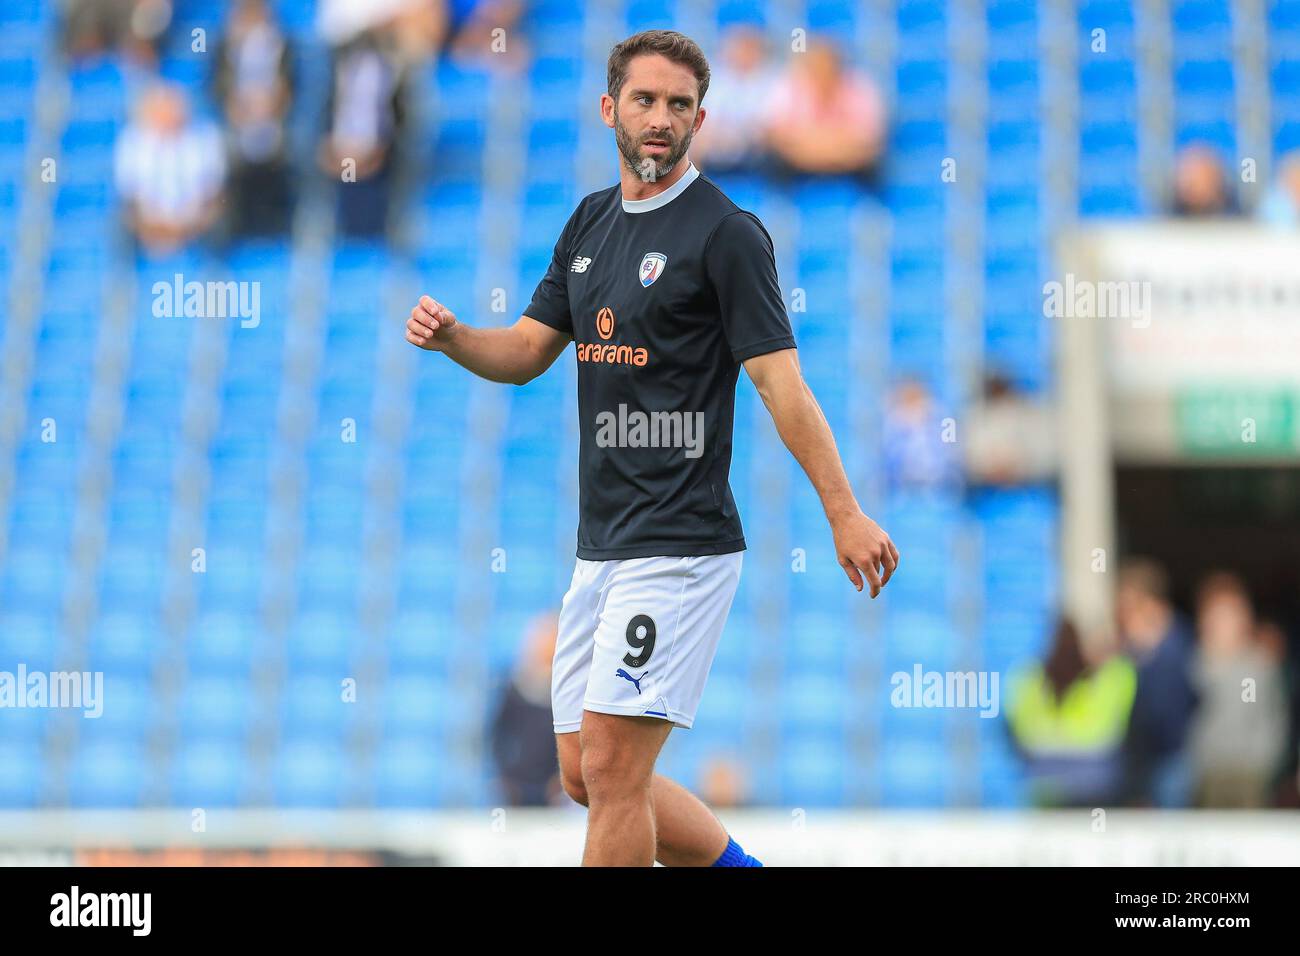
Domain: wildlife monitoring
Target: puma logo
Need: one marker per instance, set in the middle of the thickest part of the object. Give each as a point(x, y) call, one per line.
point(636, 681)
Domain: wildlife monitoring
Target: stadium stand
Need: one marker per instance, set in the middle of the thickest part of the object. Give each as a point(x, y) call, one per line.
point(373, 559)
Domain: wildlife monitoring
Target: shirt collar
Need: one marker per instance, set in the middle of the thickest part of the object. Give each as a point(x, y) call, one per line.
point(665, 197)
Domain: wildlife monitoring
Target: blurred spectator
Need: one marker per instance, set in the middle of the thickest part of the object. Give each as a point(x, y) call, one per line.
point(169, 171)
point(731, 139)
point(1010, 438)
point(366, 120)
point(134, 28)
point(1288, 790)
point(1281, 207)
point(1067, 718)
point(253, 82)
point(412, 29)
point(825, 119)
point(917, 458)
point(523, 735)
point(1240, 729)
point(1272, 639)
point(472, 35)
point(1201, 185)
point(1160, 644)
point(722, 783)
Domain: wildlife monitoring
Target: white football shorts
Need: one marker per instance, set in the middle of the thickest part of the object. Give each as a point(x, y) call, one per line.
point(637, 636)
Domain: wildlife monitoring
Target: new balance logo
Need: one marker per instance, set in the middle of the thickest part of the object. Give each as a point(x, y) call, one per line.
point(580, 264)
point(636, 681)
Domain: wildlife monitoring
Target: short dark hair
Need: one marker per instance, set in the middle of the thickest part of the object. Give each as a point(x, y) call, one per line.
point(669, 44)
point(1145, 576)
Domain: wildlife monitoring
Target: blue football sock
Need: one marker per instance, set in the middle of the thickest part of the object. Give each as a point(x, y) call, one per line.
point(733, 855)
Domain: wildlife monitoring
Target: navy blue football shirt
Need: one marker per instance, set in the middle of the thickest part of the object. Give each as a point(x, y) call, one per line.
point(664, 298)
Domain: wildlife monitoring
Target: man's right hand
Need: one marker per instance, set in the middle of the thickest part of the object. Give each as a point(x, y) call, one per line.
point(431, 324)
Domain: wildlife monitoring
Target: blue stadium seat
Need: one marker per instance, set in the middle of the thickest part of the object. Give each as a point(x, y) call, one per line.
point(21, 783)
point(310, 772)
point(209, 774)
point(812, 772)
point(915, 774)
point(109, 774)
point(412, 770)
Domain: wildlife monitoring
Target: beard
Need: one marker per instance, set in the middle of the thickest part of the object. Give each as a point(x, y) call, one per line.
point(645, 166)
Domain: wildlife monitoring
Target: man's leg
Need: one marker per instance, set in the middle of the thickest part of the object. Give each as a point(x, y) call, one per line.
point(658, 623)
point(689, 834)
point(686, 831)
point(618, 765)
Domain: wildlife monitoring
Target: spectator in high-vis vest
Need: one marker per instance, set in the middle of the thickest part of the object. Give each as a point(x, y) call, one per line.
point(1067, 717)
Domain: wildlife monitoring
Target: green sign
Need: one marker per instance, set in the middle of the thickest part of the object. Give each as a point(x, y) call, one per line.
point(1237, 419)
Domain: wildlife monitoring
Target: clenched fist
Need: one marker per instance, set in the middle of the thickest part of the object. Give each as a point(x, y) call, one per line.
point(430, 324)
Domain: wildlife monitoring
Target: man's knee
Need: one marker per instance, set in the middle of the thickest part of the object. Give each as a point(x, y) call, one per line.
point(573, 785)
point(612, 771)
point(610, 775)
point(570, 751)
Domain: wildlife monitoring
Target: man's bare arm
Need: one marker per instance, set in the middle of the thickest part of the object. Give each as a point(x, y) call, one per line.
point(517, 354)
point(860, 543)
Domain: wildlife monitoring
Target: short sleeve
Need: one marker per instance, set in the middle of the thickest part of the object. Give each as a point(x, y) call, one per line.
point(741, 265)
point(550, 304)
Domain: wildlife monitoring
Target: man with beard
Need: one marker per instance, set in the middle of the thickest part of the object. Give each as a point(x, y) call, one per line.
point(668, 288)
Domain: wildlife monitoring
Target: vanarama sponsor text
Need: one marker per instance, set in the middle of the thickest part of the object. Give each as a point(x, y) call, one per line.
point(612, 354)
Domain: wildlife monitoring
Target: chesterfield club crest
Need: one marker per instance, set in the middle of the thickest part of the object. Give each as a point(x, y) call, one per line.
point(652, 267)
